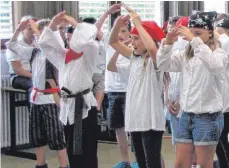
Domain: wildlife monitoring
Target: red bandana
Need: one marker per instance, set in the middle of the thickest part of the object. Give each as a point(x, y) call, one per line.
point(153, 29)
point(183, 21)
point(72, 55)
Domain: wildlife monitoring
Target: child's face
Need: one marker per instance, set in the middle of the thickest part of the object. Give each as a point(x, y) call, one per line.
point(170, 27)
point(62, 30)
point(138, 45)
point(42, 28)
point(28, 32)
point(124, 34)
point(204, 34)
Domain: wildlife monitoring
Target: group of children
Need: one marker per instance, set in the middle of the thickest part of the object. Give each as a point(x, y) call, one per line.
point(144, 70)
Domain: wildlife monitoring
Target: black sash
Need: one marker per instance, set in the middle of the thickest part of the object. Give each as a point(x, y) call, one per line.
point(79, 106)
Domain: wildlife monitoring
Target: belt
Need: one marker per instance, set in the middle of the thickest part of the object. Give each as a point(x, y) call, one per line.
point(79, 106)
point(51, 90)
point(13, 74)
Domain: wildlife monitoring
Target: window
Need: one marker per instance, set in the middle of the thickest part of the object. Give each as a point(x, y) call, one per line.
point(6, 24)
point(94, 9)
point(218, 6)
point(147, 10)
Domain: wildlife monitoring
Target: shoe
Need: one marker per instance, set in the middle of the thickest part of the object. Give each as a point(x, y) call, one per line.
point(122, 165)
point(134, 165)
point(43, 166)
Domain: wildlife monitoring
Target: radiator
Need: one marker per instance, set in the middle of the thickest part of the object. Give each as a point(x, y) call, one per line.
point(22, 118)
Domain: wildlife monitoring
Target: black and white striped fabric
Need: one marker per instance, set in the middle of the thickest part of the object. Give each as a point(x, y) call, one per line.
point(45, 127)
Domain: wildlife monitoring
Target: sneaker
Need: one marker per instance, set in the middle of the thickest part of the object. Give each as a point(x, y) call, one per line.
point(122, 165)
point(44, 166)
point(134, 165)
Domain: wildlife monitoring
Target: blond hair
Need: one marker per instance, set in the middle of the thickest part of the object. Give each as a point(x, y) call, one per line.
point(212, 44)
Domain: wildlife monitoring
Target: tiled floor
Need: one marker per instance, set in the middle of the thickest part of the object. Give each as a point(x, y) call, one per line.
point(108, 156)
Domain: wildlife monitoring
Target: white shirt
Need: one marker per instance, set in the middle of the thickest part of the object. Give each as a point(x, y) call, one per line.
point(116, 81)
point(101, 59)
point(174, 85)
point(77, 74)
point(24, 58)
point(144, 107)
point(199, 90)
point(38, 71)
point(224, 40)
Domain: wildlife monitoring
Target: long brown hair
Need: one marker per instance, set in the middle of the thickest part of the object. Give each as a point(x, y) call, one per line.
point(147, 56)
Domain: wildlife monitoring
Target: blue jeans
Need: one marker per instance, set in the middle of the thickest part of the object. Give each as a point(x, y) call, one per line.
point(174, 122)
point(200, 129)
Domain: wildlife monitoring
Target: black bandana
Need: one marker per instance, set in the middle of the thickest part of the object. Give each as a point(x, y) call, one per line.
point(204, 20)
point(224, 23)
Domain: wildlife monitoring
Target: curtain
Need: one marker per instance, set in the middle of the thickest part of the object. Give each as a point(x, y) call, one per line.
point(168, 9)
point(48, 9)
point(185, 7)
point(227, 7)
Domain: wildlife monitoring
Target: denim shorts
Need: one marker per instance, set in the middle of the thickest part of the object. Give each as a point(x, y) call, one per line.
point(174, 122)
point(200, 129)
point(116, 109)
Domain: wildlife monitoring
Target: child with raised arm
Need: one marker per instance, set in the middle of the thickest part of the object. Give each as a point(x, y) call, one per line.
point(201, 64)
point(44, 124)
point(144, 116)
point(76, 66)
point(222, 150)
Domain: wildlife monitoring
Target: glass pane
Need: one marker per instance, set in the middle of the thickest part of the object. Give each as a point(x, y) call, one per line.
point(6, 28)
point(94, 9)
point(147, 10)
point(218, 6)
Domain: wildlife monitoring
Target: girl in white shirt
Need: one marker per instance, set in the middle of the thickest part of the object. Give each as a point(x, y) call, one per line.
point(144, 116)
point(201, 64)
point(222, 150)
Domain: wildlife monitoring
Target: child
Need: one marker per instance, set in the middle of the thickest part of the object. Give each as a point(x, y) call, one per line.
point(76, 67)
point(44, 125)
point(19, 65)
point(200, 65)
point(144, 117)
point(222, 150)
point(98, 77)
point(116, 83)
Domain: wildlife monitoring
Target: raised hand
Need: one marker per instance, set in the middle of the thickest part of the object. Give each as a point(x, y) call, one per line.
point(57, 20)
point(22, 25)
point(127, 42)
point(70, 20)
point(171, 36)
point(186, 33)
point(114, 8)
point(122, 20)
point(132, 13)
